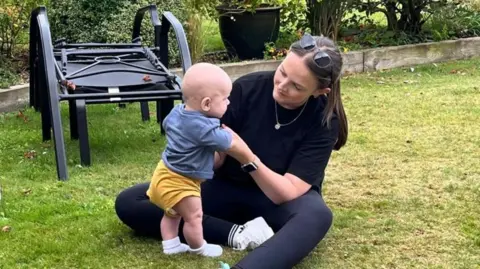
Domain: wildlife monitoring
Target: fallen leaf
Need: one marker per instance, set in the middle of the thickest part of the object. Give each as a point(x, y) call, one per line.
point(69, 84)
point(419, 231)
point(22, 116)
point(146, 78)
point(6, 229)
point(412, 69)
point(453, 71)
point(30, 154)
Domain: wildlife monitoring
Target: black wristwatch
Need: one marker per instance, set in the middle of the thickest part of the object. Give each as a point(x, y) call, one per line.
point(249, 167)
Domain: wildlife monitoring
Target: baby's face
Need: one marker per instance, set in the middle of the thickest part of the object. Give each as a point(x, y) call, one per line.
point(219, 101)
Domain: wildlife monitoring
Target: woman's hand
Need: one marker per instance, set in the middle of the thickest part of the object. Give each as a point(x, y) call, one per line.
point(239, 149)
point(278, 188)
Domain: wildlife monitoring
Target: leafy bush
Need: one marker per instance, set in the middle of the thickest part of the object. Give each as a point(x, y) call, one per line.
point(293, 16)
point(454, 22)
point(14, 20)
point(404, 15)
point(473, 4)
point(8, 75)
point(108, 21)
point(293, 22)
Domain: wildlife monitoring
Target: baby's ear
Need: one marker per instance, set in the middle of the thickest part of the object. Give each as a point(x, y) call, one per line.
point(206, 104)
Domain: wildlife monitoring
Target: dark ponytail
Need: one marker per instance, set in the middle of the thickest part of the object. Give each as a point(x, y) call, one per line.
point(328, 78)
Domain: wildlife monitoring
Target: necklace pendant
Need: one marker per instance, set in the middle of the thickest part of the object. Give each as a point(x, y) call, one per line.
point(277, 126)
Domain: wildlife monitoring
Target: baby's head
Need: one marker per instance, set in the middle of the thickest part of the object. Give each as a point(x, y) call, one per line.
point(206, 88)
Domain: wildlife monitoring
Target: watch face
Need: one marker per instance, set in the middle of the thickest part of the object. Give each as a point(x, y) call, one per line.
point(249, 167)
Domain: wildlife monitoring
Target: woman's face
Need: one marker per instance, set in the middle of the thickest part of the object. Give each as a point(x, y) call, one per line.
point(294, 83)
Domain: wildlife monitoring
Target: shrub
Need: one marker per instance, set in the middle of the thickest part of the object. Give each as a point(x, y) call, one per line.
point(8, 75)
point(108, 21)
point(474, 4)
point(14, 20)
point(293, 16)
point(454, 21)
point(404, 15)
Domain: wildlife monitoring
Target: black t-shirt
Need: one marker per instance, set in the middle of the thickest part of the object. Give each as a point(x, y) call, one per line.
point(302, 148)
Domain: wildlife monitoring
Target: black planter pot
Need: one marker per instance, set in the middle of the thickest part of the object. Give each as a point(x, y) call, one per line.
point(244, 34)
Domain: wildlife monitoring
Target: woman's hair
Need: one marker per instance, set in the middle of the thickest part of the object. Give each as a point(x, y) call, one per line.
point(328, 77)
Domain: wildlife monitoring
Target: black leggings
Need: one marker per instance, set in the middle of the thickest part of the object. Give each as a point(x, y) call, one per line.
point(299, 225)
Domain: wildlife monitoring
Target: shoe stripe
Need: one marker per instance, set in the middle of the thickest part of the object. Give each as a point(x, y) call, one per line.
point(231, 235)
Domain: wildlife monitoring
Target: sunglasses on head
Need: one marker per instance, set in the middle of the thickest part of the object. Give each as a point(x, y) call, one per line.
point(321, 58)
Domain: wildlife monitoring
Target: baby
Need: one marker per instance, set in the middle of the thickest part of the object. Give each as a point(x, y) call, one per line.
point(194, 138)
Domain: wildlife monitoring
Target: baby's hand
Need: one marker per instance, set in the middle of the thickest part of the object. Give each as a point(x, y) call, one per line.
point(235, 135)
point(239, 149)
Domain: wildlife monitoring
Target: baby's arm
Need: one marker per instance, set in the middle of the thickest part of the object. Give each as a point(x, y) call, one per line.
point(219, 140)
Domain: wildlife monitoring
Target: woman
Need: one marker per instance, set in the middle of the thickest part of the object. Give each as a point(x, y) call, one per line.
point(288, 122)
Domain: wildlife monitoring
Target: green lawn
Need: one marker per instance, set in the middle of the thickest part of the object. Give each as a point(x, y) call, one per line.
point(404, 191)
point(211, 33)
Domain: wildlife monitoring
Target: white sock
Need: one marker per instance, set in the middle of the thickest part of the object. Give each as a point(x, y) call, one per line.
point(174, 246)
point(209, 250)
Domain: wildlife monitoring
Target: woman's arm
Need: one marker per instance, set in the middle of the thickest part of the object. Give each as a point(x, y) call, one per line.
point(278, 188)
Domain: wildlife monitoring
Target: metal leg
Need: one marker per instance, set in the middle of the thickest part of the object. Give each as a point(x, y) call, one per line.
point(159, 116)
point(82, 126)
point(45, 112)
point(58, 136)
point(37, 90)
point(159, 111)
point(73, 119)
point(145, 111)
point(33, 84)
point(163, 108)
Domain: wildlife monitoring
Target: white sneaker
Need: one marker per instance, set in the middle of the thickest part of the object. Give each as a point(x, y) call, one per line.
point(252, 234)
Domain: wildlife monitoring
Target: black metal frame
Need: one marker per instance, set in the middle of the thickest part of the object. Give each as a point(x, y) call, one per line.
point(50, 81)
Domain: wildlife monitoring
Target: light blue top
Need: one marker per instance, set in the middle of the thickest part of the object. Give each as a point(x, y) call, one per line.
point(192, 139)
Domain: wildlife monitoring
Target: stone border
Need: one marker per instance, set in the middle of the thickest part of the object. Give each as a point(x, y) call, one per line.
point(354, 62)
point(14, 98)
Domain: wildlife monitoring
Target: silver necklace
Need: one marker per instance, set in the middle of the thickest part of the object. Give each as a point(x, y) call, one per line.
point(278, 124)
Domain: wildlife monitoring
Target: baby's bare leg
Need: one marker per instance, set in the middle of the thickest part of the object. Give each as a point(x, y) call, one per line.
point(169, 230)
point(169, 227)
point(190, 208)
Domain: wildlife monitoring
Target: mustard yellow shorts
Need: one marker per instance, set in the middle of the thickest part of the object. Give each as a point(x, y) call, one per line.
point(167, 188)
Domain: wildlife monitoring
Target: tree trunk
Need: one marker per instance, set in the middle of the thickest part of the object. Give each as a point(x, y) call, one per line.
point(391, 14)
point(410, 18)
point(325, 16)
